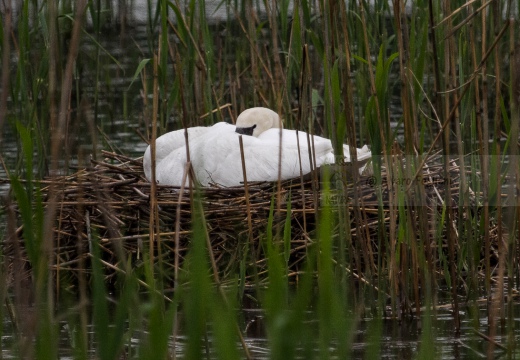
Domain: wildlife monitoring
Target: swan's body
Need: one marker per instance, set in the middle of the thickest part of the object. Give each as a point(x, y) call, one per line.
point(216, 158)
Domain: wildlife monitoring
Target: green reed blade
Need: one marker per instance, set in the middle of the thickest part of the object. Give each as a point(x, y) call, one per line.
point(138, 71)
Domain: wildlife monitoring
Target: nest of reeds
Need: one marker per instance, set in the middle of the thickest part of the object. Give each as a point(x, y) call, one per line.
point(110, 201)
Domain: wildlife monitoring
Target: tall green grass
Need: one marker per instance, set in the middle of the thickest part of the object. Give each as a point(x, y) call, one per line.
point(410, 81)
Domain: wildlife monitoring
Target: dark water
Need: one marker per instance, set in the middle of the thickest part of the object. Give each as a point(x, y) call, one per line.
point(397, 340)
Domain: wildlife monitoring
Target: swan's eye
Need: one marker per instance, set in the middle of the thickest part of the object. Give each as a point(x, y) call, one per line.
point(245, 130)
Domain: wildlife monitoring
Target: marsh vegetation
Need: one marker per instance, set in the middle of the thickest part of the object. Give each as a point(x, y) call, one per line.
point(98, 262)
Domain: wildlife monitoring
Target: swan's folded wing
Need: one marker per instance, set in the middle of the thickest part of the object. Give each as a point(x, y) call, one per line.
point(170, 171)
point(168, 143)
point(219, 160)
point(295, 154)
point(211, 156)
point(298, 144)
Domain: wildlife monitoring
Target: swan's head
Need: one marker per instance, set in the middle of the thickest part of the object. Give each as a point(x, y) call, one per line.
point(255, 121)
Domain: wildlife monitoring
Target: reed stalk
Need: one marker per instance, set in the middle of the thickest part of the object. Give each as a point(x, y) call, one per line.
point(154, 214)
point(6, 53)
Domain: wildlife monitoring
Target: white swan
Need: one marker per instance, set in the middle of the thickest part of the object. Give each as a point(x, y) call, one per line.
point(216, 158)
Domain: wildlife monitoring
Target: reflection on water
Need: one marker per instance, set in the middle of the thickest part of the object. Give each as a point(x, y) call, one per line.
point(218, 10)
point(397, 340)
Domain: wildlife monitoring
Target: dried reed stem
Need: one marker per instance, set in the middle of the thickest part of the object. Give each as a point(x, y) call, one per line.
point(6, 56)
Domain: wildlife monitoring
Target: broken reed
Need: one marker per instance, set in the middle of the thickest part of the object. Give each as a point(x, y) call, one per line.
point(115, 202)
point(327, 70)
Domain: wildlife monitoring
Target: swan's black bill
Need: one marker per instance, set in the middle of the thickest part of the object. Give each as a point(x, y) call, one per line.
point(245, 130)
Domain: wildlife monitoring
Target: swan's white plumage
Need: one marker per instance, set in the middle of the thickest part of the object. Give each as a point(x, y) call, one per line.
point(166, 144)
point(215, 152)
